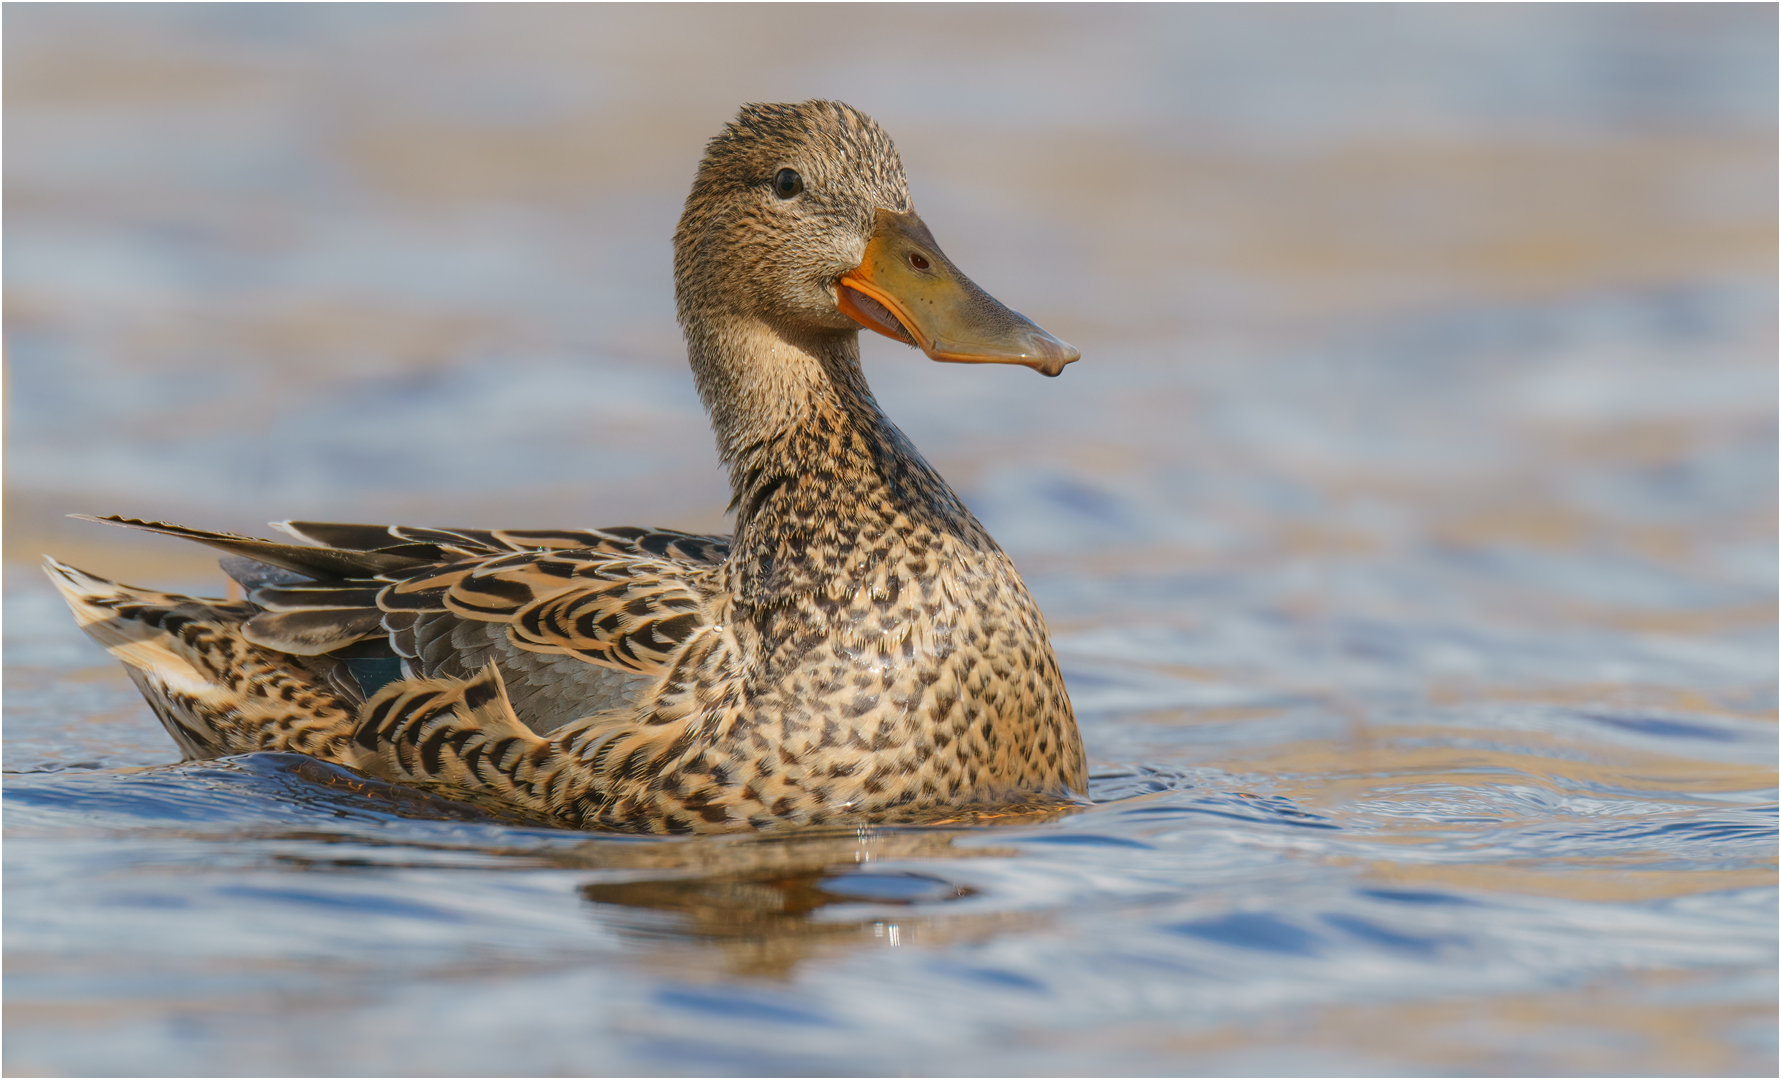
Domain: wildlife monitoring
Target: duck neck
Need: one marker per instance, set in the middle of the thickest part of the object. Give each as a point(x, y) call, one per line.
point(817, 471)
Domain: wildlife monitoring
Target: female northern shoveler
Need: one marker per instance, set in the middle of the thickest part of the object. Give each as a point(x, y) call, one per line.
point(859, 648)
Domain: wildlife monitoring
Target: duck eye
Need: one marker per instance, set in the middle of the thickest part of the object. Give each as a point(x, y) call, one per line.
point(788, 183)
point(917, 261)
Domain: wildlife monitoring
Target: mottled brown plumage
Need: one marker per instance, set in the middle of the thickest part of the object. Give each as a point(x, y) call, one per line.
point(860, 649)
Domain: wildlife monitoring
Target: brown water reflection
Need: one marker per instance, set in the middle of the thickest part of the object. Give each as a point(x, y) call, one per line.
point(760, 911)
point(714, 908)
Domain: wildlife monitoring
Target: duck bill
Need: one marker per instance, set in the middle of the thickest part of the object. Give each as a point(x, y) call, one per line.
point(907, 289)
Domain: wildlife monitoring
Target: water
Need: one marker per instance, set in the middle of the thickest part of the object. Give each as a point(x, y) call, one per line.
point(1406, 533)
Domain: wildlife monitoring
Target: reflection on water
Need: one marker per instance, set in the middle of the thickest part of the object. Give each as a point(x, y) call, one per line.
point(1407, 534)
point(765, 921)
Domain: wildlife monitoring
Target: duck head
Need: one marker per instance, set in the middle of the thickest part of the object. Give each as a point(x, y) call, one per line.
point(800, 219)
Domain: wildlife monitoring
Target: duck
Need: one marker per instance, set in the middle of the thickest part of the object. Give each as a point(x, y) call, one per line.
point(859, 649)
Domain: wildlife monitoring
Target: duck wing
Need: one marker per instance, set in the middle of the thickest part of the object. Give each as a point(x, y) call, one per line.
point(575, 621)
point(667, 544)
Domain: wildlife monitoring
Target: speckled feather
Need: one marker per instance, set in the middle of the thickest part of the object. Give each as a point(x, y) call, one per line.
point(861, 649)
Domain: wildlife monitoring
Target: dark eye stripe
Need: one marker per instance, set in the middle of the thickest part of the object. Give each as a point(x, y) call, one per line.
point(787, 183)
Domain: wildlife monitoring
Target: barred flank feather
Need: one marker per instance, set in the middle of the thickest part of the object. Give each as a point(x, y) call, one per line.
point(458, 734)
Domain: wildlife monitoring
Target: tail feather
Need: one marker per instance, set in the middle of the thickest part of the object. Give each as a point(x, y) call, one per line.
point(206, 671)
point(214, 690)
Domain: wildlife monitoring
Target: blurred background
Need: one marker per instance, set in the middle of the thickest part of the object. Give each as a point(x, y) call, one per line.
point(1419, 471)
point(258, 255)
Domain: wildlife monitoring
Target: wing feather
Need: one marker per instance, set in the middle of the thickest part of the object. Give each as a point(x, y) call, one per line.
point(572, 617)
point(310, 633)
point(317, 596)
point(626, 613)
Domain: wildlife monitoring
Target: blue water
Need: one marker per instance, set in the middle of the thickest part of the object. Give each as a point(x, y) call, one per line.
point(1407, 535)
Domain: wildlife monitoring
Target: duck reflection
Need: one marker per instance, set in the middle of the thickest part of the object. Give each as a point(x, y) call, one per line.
point(752, 904)
point(761, 905)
